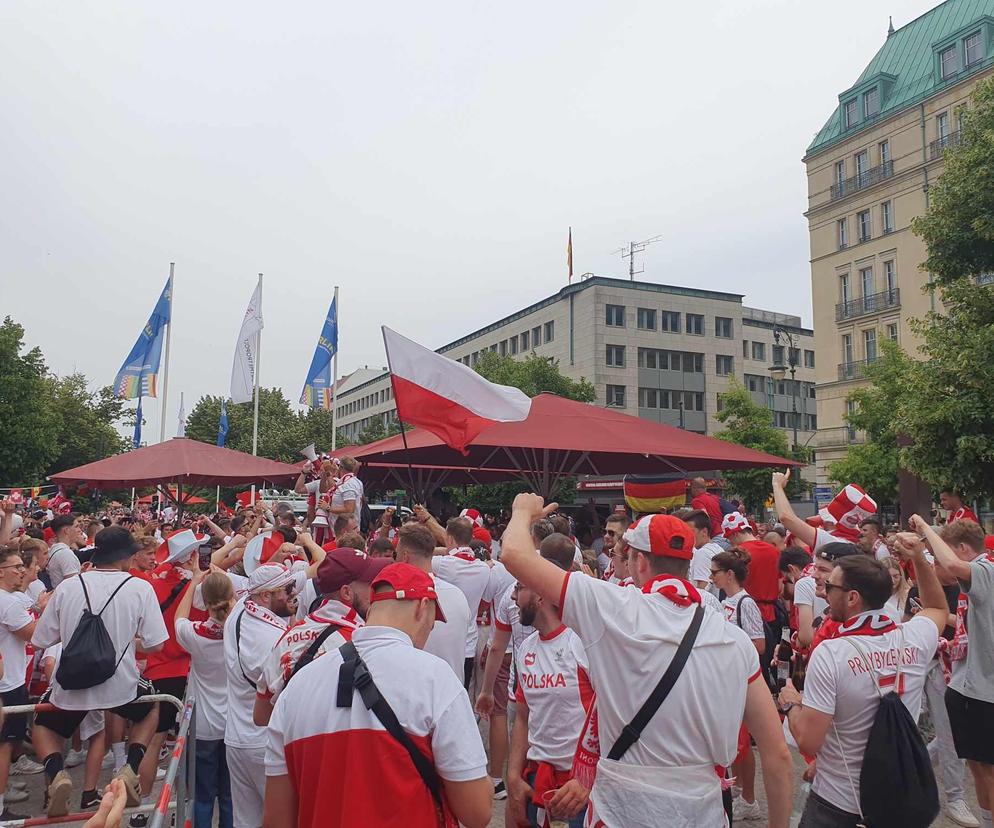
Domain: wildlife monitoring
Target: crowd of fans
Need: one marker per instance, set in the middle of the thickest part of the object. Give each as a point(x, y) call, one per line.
point(630, 673)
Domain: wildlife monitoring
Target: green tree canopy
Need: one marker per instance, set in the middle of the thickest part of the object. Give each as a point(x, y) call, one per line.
point(534, 375)
point(751, 425)
point(87, 422)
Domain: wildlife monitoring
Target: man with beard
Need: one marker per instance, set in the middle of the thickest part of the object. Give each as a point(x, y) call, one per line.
point(554, 696)
point(252, 629)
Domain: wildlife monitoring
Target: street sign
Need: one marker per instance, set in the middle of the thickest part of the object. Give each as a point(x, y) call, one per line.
point(824, 494)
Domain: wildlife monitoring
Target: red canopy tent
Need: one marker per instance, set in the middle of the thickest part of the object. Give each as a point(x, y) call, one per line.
point(563, 438)
point(188, 500)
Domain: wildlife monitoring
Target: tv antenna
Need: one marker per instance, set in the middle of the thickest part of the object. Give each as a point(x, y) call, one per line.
point(629, 251)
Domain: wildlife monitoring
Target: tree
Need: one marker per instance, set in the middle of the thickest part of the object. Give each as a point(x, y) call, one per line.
point(534, 375)
point(29, 425)
point(86, 422)
point(750, 425)
point(947, 408)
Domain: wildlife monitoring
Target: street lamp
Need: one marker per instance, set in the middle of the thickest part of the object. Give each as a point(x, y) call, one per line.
point(778, 370)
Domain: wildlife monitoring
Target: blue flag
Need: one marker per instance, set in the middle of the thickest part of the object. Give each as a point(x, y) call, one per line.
point(222, 424)
point(137, 441)
point(318, 385)
point(138, 375)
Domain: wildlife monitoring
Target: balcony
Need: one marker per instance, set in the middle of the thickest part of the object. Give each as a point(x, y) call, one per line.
point(875, 303)
point(840, 189)
point(854, 370)
point(937, 147)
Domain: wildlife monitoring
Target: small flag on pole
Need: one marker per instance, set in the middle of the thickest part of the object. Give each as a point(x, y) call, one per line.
point(181, 425)
point(137, 439)
point(244, 366)
point(138, 375)
point(569, 254)
point(222, 424)
point(318, 385)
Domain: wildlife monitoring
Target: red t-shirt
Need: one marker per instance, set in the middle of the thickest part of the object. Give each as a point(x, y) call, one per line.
point(710, 504)
point(172, 661)
point(763, 583)
point(963, 513)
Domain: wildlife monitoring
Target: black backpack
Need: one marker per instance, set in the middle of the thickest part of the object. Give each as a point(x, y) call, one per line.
point(89, 658)
point(766, 659)
point(897, 787)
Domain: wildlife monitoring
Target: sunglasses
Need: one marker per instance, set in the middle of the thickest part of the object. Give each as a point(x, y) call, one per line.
point(13, 566)
point(610, 533)
point(829, 587)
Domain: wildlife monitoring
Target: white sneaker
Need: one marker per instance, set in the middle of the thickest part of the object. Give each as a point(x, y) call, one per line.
point(961, 815)
point(26, 765)
point(15, 795)
point(160, 774)
point(108, 760)
point(742, 810)
point(17, 784)
point(75, 758)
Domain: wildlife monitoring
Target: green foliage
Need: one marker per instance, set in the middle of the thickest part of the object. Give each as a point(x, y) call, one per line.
point(534, 375)
point(86, 421)
point(873, 464)
point(750, 425)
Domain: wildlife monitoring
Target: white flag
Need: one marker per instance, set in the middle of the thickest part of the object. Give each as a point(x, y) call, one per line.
point(181, 425)
point(246, 359)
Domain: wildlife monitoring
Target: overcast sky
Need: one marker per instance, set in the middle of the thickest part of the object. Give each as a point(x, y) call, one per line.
point(426, 157)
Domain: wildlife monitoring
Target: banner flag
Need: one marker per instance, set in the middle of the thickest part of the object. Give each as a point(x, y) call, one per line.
point(318, 388)
point(138, 376)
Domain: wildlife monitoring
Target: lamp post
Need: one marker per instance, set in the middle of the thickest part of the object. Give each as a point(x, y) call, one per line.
point(778, 371)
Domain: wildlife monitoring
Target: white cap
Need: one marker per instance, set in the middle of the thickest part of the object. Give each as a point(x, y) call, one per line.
point(269, 577)
point(181, 545)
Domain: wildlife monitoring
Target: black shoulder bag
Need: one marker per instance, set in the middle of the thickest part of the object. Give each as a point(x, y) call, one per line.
point(238, 649)
point(311, 652)
point(354, 675)
point(633, 730)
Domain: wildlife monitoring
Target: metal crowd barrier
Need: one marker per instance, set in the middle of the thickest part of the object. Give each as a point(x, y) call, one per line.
point(183, 783)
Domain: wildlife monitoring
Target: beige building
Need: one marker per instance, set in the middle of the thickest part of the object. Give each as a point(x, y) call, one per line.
point(661, 352)
point(869, 171)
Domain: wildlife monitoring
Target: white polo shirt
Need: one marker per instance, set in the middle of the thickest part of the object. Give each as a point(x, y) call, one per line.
point(700, 564)
point(447, 639)
point(62, 564)
point(837, 683)
point(14, 616)
point(260, 632)
point(554, 684)
point(134, 613)
point(346, 768)
point(204, 641)
point(806, 596)
point(472, 577)
point(349, 489)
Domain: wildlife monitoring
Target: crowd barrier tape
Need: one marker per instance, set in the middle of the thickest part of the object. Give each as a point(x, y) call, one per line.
point(182, 783)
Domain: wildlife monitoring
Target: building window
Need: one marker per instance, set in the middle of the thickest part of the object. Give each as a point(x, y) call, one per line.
point(616, 356)
point(695, 324)
point(475, 358)
point(843, 225)
point(809, 358)
point(693, 363)
point(646, 319)
point(847, 356)
point(616, 396)
point(723, 327)
point(870, 344)
point(948, 62)
point(536, 336)
point(942, 127)
point(866, 283)
point(669, 321)
point(615, 316)
point(871, 103)
point(524, 337)
point(851, 113)
point(550, 331)
point(840, 173)
point(862, 167)
point(647, 358)
point(863, 221)
point(759, 351)
point(778, 355)
point(887, 217)
point(723, 365)
point(503, 347)
point(973, 47)
point(795, 356)
point(890, 277)
point(851, 429)
point(514, 345)
point(884, 148)
point(810, 422)
point(745, 349)
point(755, 383)
point(648, 398)
point(845, 295)
point(892, 331)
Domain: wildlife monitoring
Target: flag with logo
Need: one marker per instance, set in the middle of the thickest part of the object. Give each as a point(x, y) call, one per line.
point(246, 358)
point(137, 438)
point(222, 424)
point(318, 386)
point(138, 376)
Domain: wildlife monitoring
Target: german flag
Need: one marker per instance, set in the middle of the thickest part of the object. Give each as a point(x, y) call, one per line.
point(648, 493)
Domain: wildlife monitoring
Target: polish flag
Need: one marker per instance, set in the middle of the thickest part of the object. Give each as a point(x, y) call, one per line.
point(445, 397)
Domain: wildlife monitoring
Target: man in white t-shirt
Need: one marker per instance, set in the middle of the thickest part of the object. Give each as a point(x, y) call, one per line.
point(348, 494)
point(16, 628)
point(457, 564)
point(62, 560)
point(704, 549)
point(843, 681)
point(250, 633)
point(667, 776)
point(316, 490)
point(129, 611)
point(334, 765)
point(416, 546)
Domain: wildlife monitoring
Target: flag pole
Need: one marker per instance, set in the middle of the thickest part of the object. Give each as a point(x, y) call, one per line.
point(255, 412)
point(334, 377)
point(165, 370)
point(403, 434)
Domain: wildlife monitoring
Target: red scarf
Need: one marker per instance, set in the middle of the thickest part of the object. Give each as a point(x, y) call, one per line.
point(264, 614)
point(337, 613)
point(867, 623)
point(463, 553)
point(680, 592)
point(209, 629)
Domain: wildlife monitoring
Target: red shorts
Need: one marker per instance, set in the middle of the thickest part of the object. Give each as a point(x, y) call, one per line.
point(745, 743)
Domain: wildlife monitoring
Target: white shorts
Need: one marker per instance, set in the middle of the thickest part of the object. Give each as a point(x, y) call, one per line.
point(247, 769)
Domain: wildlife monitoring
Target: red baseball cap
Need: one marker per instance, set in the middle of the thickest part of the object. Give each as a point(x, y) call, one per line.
point(664, 536)
point(408, 583)
point(989, 542)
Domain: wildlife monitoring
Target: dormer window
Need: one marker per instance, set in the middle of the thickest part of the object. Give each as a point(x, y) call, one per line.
point(851, 113)
point(948, 62)
point(871, 103)
point(973, 47)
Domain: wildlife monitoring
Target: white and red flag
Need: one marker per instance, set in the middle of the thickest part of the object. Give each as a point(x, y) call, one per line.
point(445, 397)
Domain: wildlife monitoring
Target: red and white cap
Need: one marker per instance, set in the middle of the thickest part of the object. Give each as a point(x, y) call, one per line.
point(179, 546)
point(269, 577)
point(851, 507)
point(473, 515)
point(407, 583)
point(734, 522)
point(661, 535)
point(826, 517)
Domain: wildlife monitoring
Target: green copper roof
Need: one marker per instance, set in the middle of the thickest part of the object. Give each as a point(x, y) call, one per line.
point(906, 69)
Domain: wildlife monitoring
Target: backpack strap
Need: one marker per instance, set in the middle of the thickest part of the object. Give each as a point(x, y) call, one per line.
point(311, 652)
point(238, 647)
point(355, 671)
point(174, 593)
point(633, 730)
point(112, 595)
point(86, 595)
